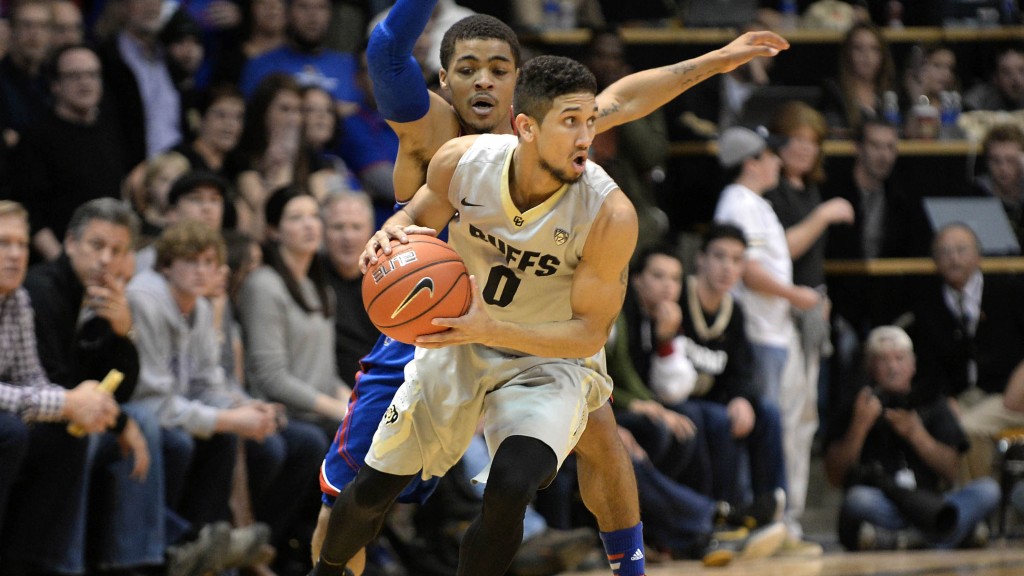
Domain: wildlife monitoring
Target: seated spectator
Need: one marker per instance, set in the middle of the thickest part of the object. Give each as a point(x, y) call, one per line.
point(319, 130)
point(865, 72)
point(73, 154)
point(936, 74)
point(306, 59)
point(287, 313)
point(348, 224)
point(186, 56)
point(195, 197)
point(1003, 149)
point(272, 153)
point(47, 528)
point(150, 199)
point(969, 331)
point(24, 85)
point(736, 416)
point(1005, 89)
point(648, 324)
point(887, 223)
point(896, 455)
point(262, 29)
point(182, 380)
point(221, 115)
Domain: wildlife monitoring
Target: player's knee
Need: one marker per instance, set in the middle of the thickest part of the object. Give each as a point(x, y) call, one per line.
point(521, 466)
point(373, 490)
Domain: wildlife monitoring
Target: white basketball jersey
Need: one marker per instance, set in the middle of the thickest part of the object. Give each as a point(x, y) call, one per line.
point(523, 261)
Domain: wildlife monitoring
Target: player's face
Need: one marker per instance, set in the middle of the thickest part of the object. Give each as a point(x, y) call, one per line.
point(721, 266)
point(192, 277)
point(660, 281)
point(13, 253)
point(481, 79)
point(893, 369)
point(300, 230)
point(565, 135)
point(99, 252)
point(956, 256)
point(203, 204)
point(222, 124)
point(348, 225)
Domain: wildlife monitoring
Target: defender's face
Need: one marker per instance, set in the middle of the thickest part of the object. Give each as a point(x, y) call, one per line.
point(564, 137)
point(481, 79)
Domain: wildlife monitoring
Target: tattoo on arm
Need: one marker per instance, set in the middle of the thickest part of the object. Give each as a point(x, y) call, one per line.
point(608, 111)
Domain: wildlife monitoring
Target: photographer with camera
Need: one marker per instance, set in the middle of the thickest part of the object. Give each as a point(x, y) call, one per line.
point(897, 455)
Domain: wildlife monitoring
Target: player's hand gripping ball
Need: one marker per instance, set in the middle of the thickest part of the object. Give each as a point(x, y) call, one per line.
point(419, 281)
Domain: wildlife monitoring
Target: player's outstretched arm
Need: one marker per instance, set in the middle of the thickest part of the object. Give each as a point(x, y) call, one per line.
point(422, 120)
point(641, 93)
point(598, 288)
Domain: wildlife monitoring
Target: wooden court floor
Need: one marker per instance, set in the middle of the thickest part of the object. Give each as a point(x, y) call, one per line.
point(1000, 559)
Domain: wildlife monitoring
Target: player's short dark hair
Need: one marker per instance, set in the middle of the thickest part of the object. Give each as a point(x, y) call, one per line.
point(720, 230)
point(545, 78)
point(642, 258)
point(479, 27)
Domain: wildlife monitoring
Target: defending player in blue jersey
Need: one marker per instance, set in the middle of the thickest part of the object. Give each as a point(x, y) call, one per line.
point(481, 60)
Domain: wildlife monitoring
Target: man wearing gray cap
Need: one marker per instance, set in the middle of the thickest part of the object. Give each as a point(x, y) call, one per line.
point(767, 290)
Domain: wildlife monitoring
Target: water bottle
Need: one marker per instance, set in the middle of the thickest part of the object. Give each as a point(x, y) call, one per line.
point(949, 114)
point(567, 15)
point(891, 109)
point(789, 11)
point(552, 14)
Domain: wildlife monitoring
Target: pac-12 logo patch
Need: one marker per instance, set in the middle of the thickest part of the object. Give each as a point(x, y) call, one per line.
point(561, 236)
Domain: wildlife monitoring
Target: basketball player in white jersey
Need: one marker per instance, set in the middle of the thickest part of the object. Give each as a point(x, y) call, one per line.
point(549, 236)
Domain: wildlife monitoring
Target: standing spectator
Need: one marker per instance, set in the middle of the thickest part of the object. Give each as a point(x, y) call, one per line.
point(183, 38)
point(306, 58)
point(1005, 89)
point(139, 84)
point(969, 331)
point(73, 154)
point(1003, 148)
point(348, 224)
point(82, 323)
point(272, 153)
point(866, 71)
point(67, 24)
point(24, 93)
point(287, 313)
point(892, 447)
point(767, 291)
point(44, 456)
point(798, 206)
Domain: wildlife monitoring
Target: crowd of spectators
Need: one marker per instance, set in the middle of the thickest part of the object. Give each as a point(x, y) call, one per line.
point(192, 185)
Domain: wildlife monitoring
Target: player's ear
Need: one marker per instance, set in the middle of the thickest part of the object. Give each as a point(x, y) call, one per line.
point(442, 78)
point(525, 127)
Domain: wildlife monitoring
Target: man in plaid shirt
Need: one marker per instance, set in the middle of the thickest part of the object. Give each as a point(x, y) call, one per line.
point(26, 395)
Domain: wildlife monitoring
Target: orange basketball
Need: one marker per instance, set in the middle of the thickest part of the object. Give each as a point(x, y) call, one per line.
point(419, 281)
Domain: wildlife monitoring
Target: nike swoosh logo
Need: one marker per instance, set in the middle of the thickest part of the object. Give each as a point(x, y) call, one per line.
point(424, 284)
point(469, 204)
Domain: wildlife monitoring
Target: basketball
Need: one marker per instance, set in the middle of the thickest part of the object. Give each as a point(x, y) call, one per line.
point(419, 281)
